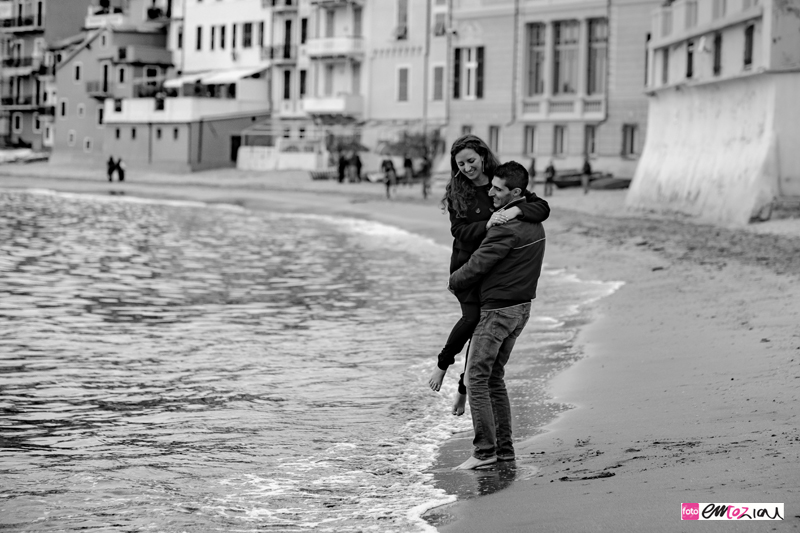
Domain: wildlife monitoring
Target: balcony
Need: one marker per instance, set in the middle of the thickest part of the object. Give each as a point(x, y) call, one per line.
point(345, 104)
point(178, 110)
point(577, 108)
point(99, 17)
point(282, 54)
point(290, 109)
point(284, 6)
point(18, 103)
point(21, 24)
point(98, 89)
point(19, 66)
point(335, 3)
point(335, 47)
point(143, 55)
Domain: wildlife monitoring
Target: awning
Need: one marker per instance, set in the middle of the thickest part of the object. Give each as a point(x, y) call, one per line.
point(221, 77)
point(176, 83)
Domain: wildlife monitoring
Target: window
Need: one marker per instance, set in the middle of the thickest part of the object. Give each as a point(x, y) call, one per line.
point(439, 25)
point(261, 34)
point(222, 37)
point(328, 80)
point(37, 123)
point(87, 144)
point(247, 35)
point(647, 60)
point(689, 59)
point(81, 110)
point(358, 21)
point(598, 51)
point(628, 140)
point(665, 65)
point(303, 30)
point(118, 105)
point(565, 61)
point(330, 18)
point(287, 133)
point(158, 133)
point(175, 134)
point(468, 72)
point(719, 8)
point(590, 140)
point(536, 48)
point(438, 83)
point(213, 37)
point(748, 46)
point(717, 54)
point(402, 84)
point(17, 120)
point(301, 133)
point(530, 140)
point(121, 74)
point(100, 116)
point(77, 72)
point(199, 39)
point(287, 84)
point(494, 138)
point(559, 140)
point(117, 133)
point(133, 134)
point(63, 110)
point(302, 87)
point(466, 129)
point(103, 40)
point(180, 38)
point(71, 138)
point(401, 32)
point(233, 36)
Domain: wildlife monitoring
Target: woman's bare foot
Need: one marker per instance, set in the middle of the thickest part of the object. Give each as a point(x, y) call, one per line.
point(435, 381)
point(459, 404)
point(473, 462)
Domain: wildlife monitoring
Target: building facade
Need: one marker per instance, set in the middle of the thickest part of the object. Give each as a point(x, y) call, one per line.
point(26, 28)
point(552, 81)
point(722, 137)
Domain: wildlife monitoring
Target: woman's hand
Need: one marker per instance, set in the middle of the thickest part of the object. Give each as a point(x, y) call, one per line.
point(498, 218)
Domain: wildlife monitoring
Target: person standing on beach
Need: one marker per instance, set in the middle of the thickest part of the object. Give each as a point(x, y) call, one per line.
point(467, 201)
point(506, 267)
point(586, 174)
point(549, 178)
point(111, 167)
point(120, 169)
point(389, 176)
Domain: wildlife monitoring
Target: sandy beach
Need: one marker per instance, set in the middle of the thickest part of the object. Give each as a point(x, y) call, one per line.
point(689, 386)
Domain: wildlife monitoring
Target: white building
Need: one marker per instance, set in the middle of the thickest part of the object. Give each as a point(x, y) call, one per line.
point(722, 138)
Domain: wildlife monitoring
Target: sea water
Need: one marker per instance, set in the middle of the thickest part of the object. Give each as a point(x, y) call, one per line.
point(175, 366)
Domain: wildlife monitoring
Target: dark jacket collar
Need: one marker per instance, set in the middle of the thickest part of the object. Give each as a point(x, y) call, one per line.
point(512, 203)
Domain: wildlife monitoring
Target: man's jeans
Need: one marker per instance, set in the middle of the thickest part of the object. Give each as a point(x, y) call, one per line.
point(492, 343)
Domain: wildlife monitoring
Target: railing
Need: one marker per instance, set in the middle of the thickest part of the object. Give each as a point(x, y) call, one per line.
point(284, 5)
point(12, 62)
point(29, 21)
point(150, 90)
point(17, 100)
point(334, 46)
point(282, 52)
point(97, 87)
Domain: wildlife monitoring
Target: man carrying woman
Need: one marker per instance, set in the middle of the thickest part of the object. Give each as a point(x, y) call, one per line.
point(472, 213)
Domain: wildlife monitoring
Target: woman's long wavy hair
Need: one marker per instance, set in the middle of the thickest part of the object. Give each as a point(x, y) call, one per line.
point(460, 192)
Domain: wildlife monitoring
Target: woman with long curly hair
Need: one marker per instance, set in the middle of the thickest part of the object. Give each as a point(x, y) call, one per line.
point(471, 210)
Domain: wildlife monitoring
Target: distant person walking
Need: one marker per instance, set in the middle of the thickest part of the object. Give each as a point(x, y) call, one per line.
point(408, 169)
point(342, 166)
point(389, 176)
point(425, 172)
point(549, 179)
point(120, 169)
point(356, 161)
point(111, 167)
point(586, 174)
point(532, 174)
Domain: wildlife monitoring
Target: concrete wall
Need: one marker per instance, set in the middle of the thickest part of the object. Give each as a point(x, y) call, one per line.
point(787, 118)
point(712, 150)
point(268, 158)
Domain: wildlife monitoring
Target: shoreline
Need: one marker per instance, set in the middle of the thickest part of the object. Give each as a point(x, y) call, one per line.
point(668, 404)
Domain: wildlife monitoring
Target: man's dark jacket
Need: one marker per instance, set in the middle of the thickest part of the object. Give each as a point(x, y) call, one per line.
point(507, 265)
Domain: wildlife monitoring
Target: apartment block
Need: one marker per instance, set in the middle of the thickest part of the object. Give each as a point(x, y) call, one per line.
point(26, 28)
point(723, 84)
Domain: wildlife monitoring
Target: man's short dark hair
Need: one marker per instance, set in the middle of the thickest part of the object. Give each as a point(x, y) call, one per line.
point(514, 174)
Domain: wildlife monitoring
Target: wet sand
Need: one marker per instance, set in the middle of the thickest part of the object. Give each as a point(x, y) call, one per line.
point(689, 388)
